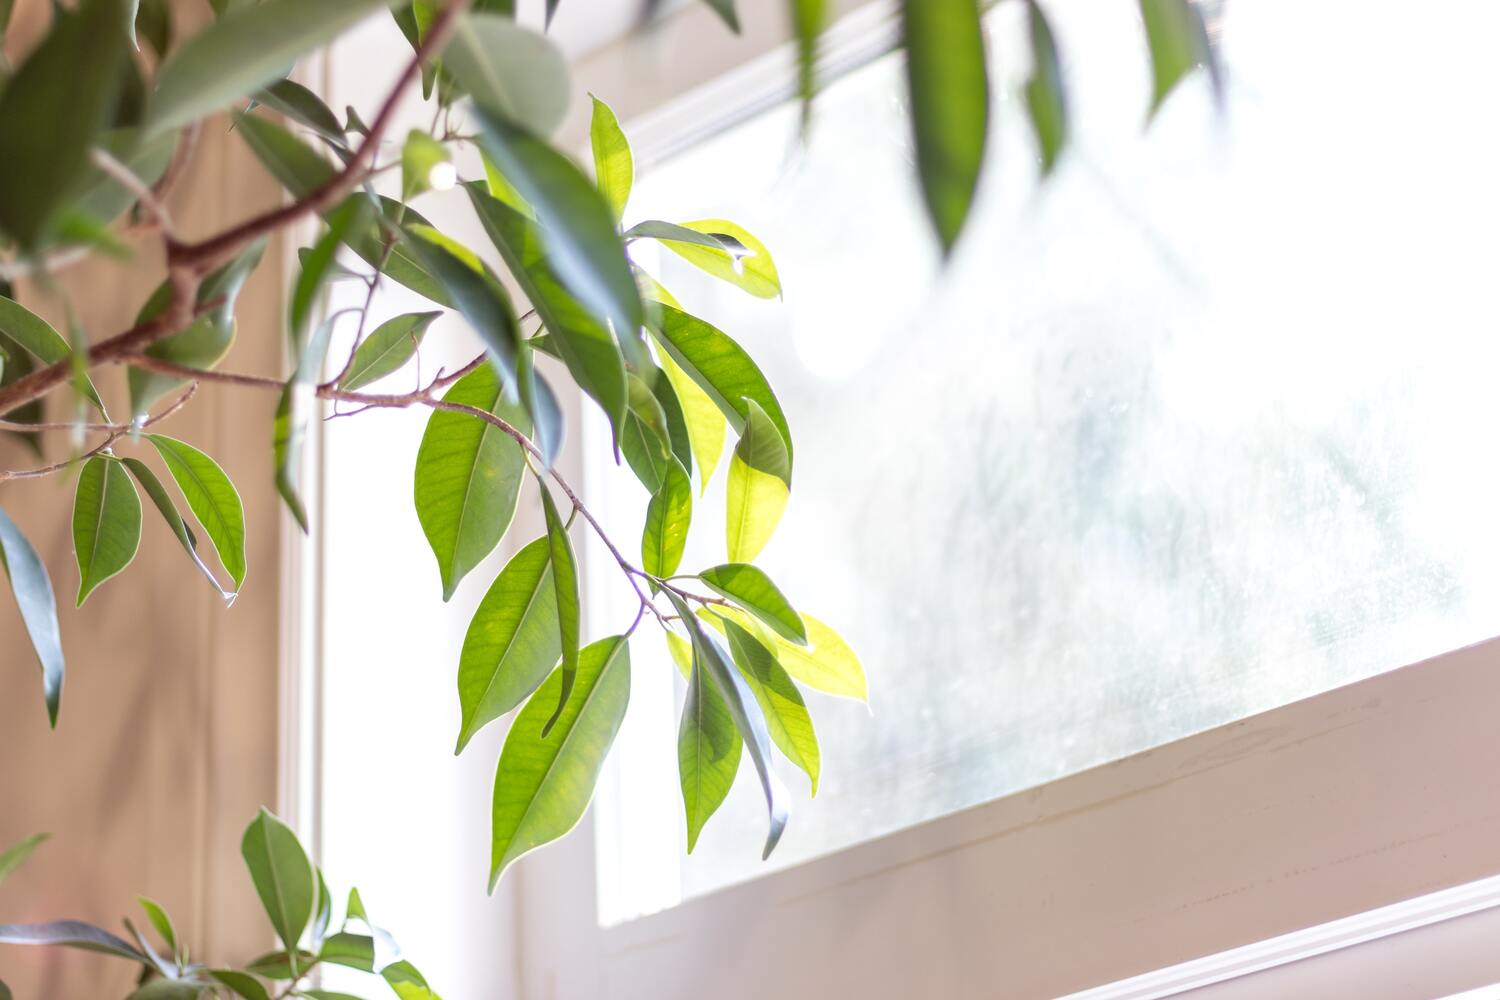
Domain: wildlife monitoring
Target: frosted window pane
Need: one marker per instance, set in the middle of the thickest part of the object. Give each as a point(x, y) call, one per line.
point(1201, 427)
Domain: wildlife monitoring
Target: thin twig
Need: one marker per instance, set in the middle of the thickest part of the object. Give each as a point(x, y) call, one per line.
point(68, 425)
point(130, 182)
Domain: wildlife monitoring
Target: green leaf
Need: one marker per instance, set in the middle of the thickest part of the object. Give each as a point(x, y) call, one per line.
point(390, 347)
point(355, 951)
point(52, 109)
point(734, 255)
point(584, 343)
point(349, 217)
point(14, 856)
point(169, 989)
point(327, 995)
point(758, 490)
point(950, 98)
point(721, 368)
point(645, 439)
point(18, 364)
point(706, 425)
point(106, 523)
point(205, 342)
point(153, 22)
point(475, 290)
point(419, 156)
point(323, 914)
point(297, 103)
point(242, 983)
point(543, 783)
point(708, 751)
point(1046, 97)
point(468, 476)
point(298, 167)
point(33, 589)
point(39, 339)
point(510, 71)
point(407, 983)
point(809, 18)
point(578, 226)
point(750, 588)
point(212, 498)
point(678, 439)
point(614, 167)
point(725, 9)
point(161, 922)
point(1179, 43)
point(70, 934)
point(668, 517)
point(546, 413)
point(513, 641)
point(278, 964)
point(101, 197)
point(245, 50)
point(786, 715)
point(746, 713)
point(283, 876)
point(825, 664)
point(565, 587)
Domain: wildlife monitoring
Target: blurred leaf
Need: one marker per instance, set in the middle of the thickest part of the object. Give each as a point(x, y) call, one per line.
point(1179, 43)
point(106, 523)
point(565, 587)
point(419, 155)
point(354, 951)
point(513, 641)
point(212, 498)
point(468, 476)
point(510, 71)
point(283, 876)
point(387, 349)
point(543, 783)
point(809, 18)
point(750, 588)
point(708, 751)
point(721, 368)
point(668, 517)
point(14, 856)
point(18, 364)
point(739, 259)
point(245, 50)
point(540, 402)
point(950, 98)
point(242, 983)
point(153, 22)
point(473, 287)
point(38, 338)
point(407, 983)
point(70, 934)
point(1046, 96)
point(743, 708)
point(584, 343)
point(169, 989)
point(51, 110)
point(323, 913)
point(349, 217)
point(614, 167)
point(725, 9)
point(101, 197)
point(502, 189)
point(578, 227)
point(33, 590)
point(161, 922)
point(786, 715)
point(298, 167)
point(759, 472)
point(278, 965)
point(297, 103)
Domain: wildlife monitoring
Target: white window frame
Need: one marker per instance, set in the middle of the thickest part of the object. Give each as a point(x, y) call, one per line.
point(1367, 813)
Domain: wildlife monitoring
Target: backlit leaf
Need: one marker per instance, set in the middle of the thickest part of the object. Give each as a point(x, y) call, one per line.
point(645, 438)
point(212, 498)
point(33, 591)
point(758, 490)
point(477, 293)
point(106, 522)
point(245, 50)
point(746, 713)
point(283, 876)
point(740, 258)
point(668, 517)
point(948, 83)
point(468, 476)
point(786, 714)
point(614, 167)
point(1046, 97)
point(825, 664)
point(750, 588)
point(565, 589)
point(809, 18)
point(708, 752)
point(1179, 43)
point(513, 641)
point(543, 784)
point(387, 349)
point(510, 71)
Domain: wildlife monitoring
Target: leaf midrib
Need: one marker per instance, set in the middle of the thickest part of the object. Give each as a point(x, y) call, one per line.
point(510, 643)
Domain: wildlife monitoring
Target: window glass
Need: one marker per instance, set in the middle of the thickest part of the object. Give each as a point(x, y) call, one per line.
point(1199, 427)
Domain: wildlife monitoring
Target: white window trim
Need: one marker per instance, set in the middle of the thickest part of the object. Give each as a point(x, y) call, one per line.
point(1365, 813)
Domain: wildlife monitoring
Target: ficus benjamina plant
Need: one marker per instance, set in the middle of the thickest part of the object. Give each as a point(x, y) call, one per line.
point(100, 119)
point(298, 906)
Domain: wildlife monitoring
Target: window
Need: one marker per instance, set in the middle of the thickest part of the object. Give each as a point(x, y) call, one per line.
point(1193, 431)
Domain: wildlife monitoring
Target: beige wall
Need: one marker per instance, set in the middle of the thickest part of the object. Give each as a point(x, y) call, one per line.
point(168, 734)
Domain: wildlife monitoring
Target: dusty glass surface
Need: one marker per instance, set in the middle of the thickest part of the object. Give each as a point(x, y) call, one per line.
point(1200, 427)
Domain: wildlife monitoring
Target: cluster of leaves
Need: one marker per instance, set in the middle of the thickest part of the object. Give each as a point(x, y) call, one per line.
point(300, 910)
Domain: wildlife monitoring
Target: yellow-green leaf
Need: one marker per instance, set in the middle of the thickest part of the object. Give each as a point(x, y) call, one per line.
point(758, 490)
point(755, 271)
point(750, 588)
point(709, 747)
point(668, 517)
point(614, 167)
point(787, 719)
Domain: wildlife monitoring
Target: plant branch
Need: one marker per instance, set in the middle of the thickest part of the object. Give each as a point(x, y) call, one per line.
point(144, 194)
